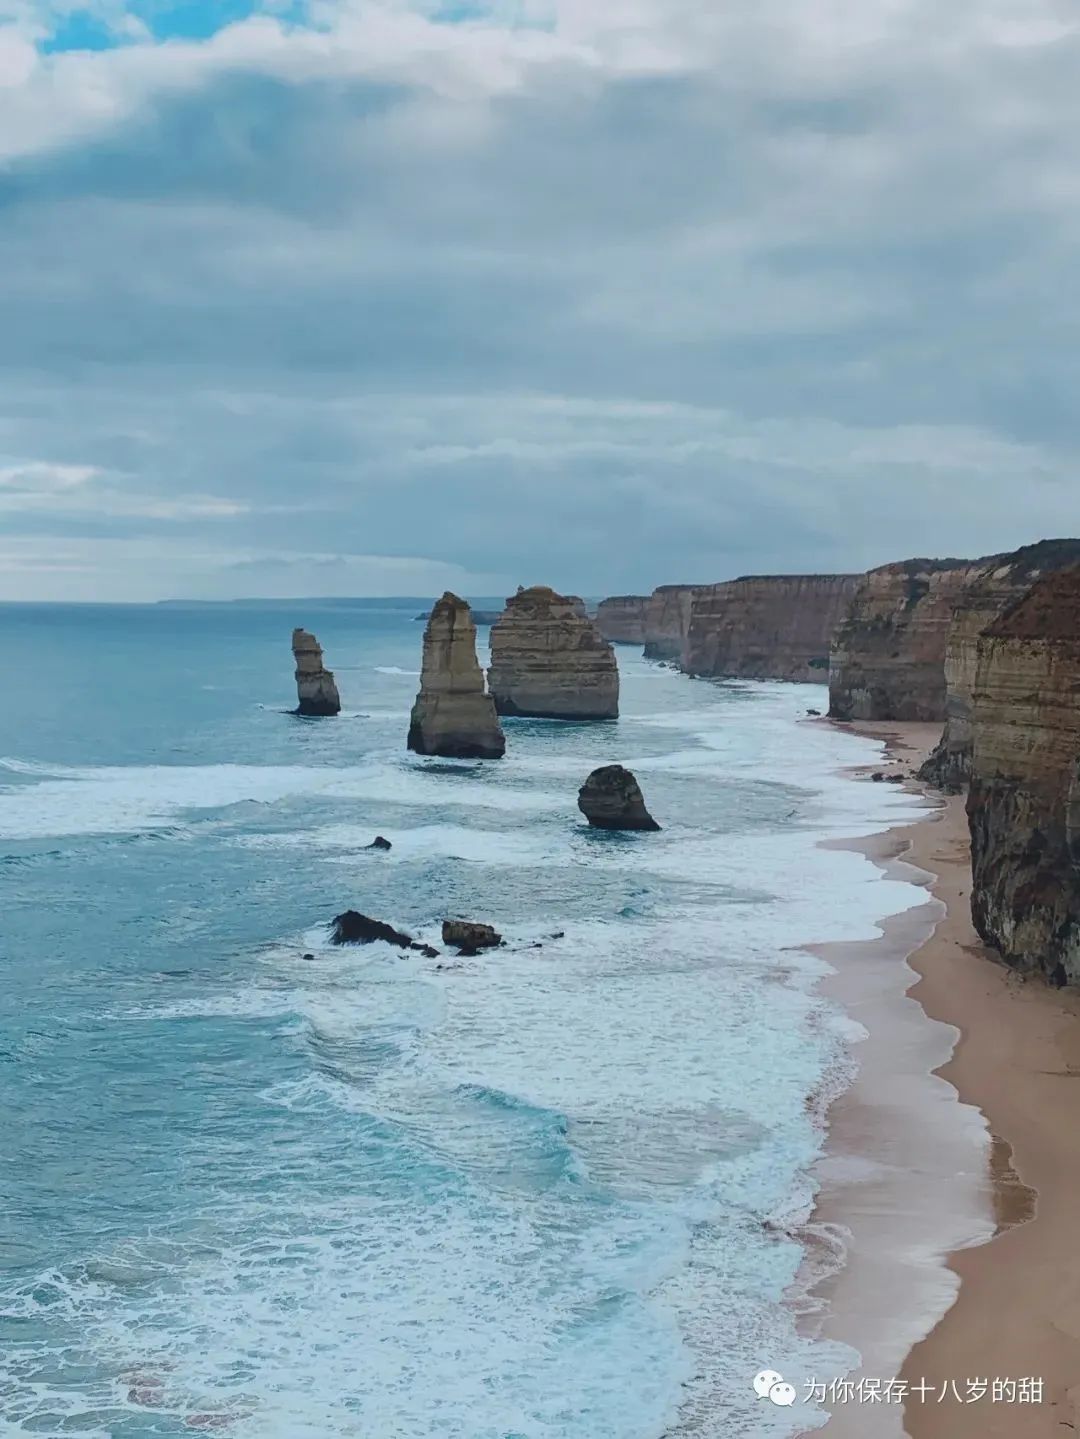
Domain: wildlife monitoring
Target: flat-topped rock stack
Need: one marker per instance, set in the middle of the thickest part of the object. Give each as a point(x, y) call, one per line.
point(621, 619)
point(998, 584)
point(767, 627)
point(549, 661)
point(315, 687)
point(1024, 797)
point(453, 714)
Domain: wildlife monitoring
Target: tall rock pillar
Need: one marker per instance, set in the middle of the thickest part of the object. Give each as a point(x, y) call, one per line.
point(315, 687)
point(453, 714)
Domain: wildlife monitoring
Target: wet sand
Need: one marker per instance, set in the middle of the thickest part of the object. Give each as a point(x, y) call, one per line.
point(955, 1131)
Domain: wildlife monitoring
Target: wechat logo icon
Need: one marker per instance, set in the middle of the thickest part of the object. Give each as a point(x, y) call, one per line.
point(770, 1385)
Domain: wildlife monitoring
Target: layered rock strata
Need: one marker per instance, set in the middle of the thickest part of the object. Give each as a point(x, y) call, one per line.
point(315, 687)
point(1002, 581)
point(479, 617)
point(1024, 796)
point(611, 798)
point(888, 654)
point(621, 619)
point(667, 621)
point(549, 661)
point(777, 627)
point(453, 714)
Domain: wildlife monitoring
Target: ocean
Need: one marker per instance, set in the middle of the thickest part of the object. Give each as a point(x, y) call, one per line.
point(554, 1192)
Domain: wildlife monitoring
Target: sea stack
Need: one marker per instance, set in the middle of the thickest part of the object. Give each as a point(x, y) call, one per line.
point(453, 715)
point(315, 685)
point(549, 661)
point(611, 798)
point(1024, 799)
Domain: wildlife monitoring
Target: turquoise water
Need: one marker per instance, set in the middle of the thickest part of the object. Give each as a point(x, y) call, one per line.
point(545, 1192)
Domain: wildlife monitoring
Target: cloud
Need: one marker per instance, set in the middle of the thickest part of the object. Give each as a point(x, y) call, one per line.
point(39, 478)
point(602, 295)
point(38, 487)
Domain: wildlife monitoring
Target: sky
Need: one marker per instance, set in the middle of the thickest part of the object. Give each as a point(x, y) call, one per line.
point(388, 296)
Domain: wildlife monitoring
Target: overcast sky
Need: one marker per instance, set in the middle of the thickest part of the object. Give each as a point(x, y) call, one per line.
point(356, 297)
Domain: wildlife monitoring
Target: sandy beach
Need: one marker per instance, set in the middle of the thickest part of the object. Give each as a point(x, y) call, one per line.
point(952, 1163)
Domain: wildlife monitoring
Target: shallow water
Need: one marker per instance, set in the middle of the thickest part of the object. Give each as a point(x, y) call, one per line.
point(545, 1192)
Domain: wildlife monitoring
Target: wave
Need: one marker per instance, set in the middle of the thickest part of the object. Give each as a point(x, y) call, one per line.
point(557, 1192)
point(125, 799)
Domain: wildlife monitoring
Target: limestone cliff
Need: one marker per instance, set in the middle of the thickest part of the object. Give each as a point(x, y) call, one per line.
point(315, 687)
point(996, 586)
point(453, 714)
point(1024, 798)
point(667, 621)
point(548, 660)
point(621, 619)
point(888, 655)
point(767, 626)
point(479, 617)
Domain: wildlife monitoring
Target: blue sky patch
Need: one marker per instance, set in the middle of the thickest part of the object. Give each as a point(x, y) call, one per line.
point(165, 20)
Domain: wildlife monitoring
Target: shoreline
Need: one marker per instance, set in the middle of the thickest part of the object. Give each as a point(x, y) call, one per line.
point(949, 1166)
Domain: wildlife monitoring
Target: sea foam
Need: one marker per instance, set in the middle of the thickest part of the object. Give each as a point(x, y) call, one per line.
point(549, 1192)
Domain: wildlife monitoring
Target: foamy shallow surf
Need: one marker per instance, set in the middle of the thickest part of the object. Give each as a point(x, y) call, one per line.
point(546, 1192)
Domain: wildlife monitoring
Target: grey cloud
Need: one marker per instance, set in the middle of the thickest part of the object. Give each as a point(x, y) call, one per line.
point(600, 327)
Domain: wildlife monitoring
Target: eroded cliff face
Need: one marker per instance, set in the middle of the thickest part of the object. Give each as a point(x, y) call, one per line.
point(1024, 797)
point(667, 621)
point(1002, 581)
point(621, 619)
point(888, 654)
point(453, 714)
point(767, 626)
point(549, 661)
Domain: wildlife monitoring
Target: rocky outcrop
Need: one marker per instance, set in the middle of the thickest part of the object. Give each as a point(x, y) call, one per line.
point(479, 617)
point(453, 714)
point(351, 927)
point(550, 662)
point(611, 798)
point(888, 655)
point(315, 685)
point(1002, 581)
point(621, 619)
point(667, 621)
point(469, 937)
point(766, 627)
point(1024, 797)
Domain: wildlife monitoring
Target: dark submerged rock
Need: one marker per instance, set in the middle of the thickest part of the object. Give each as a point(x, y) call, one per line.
point(351, 927)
